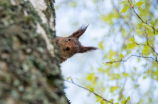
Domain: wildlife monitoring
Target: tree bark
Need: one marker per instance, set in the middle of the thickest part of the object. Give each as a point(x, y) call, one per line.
point(29, 64)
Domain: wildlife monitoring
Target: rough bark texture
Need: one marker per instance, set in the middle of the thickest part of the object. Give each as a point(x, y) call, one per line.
point(28, 72)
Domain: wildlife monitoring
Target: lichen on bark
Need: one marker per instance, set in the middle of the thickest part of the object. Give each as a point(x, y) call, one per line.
point(28, 72)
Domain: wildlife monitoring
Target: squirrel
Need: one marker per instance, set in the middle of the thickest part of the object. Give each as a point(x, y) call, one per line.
point(69, 46)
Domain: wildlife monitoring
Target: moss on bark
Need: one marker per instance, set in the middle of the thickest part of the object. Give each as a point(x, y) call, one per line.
point(28, 72)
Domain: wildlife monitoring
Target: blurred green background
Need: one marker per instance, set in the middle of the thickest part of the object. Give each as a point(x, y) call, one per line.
point(118, 33)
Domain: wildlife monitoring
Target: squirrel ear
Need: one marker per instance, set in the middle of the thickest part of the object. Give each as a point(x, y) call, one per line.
point(86, 49)
point(79, 32)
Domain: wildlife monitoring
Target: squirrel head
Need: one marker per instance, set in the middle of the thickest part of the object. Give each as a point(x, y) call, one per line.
point(68, 46)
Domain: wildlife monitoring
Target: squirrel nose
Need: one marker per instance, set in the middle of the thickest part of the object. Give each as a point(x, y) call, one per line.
point(67, 49)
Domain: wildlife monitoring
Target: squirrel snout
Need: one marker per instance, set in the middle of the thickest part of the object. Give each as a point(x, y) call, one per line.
point(66, 49)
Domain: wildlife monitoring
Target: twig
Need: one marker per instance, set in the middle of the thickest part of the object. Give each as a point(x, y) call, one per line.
point(141, 56)
point(132, 56)
point(89, 91)
point(126, 101)
point(132, 8)
point(149, 44)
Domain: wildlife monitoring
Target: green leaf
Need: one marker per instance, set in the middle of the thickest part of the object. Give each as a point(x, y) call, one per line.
point(107, 18)
point(123, 102)
point(68, 78)
point(112, 100)
point(128, 98)
point(102, 102)
point(113, 88)
point(139, 25)
point(101, 45)
point(152, 23)
point(148, 27)
point(139, 3)
point(131, 46)
point(144, 77)
point(98, 99)
point(146, 50)
point(132, 40)
point(125, 74)
point(90, 76)
point(139, 31)
point(103, 89)
point(124, 10)
point(101, 70)
point(156, 21)
point(112, 54)
point(121, 55)
point(92, 89)
point(110, 62)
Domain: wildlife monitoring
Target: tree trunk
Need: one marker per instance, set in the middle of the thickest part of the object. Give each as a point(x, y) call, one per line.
point(29, 64)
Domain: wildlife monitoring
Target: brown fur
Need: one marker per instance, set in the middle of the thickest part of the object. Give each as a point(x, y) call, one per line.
point(68, 46)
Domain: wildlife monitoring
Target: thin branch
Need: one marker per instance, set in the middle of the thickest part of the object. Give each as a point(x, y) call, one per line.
point(136, 12)
point(156, 59)
point(89, 91)
point(132, 8)
point(140, 44)
point(126, 101)
point(149, 44)
point(140, 56)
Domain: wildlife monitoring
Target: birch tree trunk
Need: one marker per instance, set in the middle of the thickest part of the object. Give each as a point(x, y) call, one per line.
point(29, 63)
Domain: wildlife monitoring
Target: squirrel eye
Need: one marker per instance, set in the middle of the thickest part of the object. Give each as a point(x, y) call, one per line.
point(69, 39)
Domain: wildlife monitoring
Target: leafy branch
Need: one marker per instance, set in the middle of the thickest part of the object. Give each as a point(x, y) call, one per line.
point(72, 82)
point(140, 56)
point(132, 8)
point(149, 44)
point(146, 35)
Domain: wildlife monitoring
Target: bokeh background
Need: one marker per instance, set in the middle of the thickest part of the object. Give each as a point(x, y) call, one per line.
point(116, 35)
